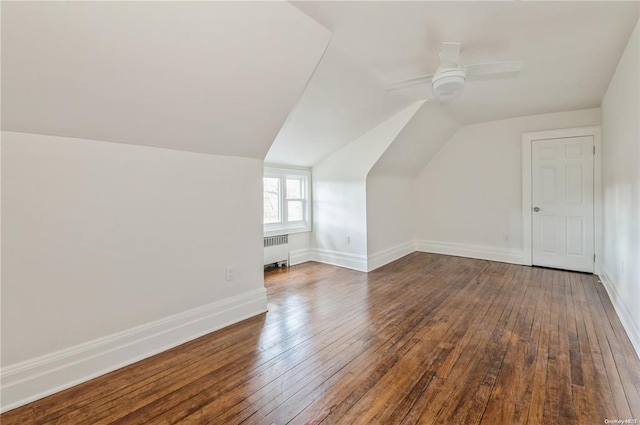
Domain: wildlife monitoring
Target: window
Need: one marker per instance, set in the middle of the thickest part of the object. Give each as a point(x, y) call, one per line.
point(287, 201)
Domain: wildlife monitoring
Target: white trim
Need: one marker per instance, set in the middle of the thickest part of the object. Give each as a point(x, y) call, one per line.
point(527, 140)
point(339, 258)
point(598, 214)
point(492, 253)
point(281, 232)
point(286, 167)
point(380, 258)
point(42, 376)
point(299, 256)
point(527, 250)
point(286, 171)
point(631, 327)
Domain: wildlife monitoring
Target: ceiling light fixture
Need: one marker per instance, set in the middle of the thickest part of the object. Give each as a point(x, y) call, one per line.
point(448, 83)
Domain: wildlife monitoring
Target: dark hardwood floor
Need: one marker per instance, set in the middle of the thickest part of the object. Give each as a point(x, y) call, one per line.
point(426, 339)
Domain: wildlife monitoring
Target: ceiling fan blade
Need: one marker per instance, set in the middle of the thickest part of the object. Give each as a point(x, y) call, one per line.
point(489, 68)
point(450, 54)
point(410, 82)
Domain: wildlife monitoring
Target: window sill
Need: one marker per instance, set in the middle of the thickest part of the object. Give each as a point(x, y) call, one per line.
point(286, 231)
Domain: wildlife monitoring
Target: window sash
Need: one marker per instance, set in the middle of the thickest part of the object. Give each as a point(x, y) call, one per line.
point(302, 210)
point(276, 201)
point(285, 225)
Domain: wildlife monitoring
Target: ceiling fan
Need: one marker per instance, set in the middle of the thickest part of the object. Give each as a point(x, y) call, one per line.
point(450, 77)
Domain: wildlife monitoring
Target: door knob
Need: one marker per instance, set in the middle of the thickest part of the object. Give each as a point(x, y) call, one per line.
point(536, 209)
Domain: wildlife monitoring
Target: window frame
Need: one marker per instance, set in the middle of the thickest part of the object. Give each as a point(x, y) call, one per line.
point(284, 226)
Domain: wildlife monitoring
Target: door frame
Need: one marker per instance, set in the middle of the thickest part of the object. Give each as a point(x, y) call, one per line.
point(527, 217)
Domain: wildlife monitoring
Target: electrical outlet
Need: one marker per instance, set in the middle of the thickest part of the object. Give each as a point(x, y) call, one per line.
point(228, 273)
point(347, 240)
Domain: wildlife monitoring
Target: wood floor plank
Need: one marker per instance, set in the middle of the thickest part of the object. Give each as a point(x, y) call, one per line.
point(496, 347)
point(566, 406)
point(517, 369)
point(536, 406)
point(593, 403)
point(620, 348)
point(457, 407)
point(430, 406)
point(551, 409)
point(426, 339)
point(362, 383)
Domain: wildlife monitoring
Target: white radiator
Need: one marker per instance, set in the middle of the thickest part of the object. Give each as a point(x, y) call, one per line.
point(276, 250)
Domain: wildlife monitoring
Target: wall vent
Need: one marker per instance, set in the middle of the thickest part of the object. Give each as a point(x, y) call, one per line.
point(276, 250)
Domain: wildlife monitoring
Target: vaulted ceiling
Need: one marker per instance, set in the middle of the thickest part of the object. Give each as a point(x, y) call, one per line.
point(570, 51)
point(296, 79)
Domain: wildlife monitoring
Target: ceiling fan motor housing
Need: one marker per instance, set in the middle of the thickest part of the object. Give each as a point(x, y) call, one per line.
point(448, 82)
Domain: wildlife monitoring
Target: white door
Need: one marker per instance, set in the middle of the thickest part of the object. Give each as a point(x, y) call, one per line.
point(562, 201)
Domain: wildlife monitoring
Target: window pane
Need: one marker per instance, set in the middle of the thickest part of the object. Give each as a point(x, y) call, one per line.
point(294, 188)
point(271, 200)
point(295, 211)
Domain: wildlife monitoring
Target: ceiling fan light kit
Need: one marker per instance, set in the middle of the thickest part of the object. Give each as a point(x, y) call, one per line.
point(447, 83)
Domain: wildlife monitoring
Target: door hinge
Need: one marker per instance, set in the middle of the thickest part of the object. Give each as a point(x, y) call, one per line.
point(594, 258)
point(594, 150)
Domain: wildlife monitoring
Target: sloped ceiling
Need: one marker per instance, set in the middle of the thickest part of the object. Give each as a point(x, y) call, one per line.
point(212, 77)
point(341, 102)
point(222, 77)
point(418, 142)
point(570, 51)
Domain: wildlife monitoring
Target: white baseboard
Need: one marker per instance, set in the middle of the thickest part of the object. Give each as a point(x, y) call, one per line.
point(492, 253)
point(630, 326)
point(299, 256)
point(339, 258)
point(42, 376)
point(380, 258)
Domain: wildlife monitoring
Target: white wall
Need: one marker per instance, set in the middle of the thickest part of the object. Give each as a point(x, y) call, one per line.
point(340, 213)
point(390, 218)
point(298, 241)
point(299, 248)
point(339, 193)
point(621, 188)
point(468, 197)
point(99, 238)
point(390, 194)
